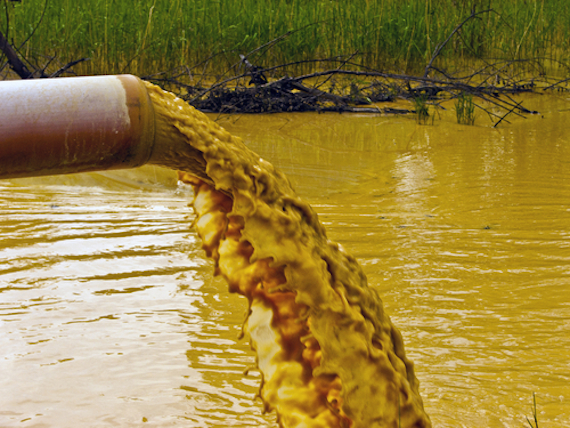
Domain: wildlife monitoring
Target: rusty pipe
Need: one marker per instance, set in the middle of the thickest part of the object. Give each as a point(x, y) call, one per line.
point(77, 124)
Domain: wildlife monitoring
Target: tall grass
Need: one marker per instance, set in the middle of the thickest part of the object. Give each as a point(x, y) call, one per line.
point(534, 415)
point(147, 36)
point(422, 109)
point(465, 109)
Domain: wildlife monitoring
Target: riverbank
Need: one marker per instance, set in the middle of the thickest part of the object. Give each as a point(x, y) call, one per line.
point(208, 36)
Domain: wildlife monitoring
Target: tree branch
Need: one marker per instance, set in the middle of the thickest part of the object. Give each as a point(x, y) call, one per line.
point(440, 47)
point(15, 63)
point(67, 67)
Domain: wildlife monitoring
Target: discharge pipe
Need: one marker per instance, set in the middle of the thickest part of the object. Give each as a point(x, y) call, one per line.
point(80, 124)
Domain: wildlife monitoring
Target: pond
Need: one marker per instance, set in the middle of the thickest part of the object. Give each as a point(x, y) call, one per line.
point(110, 314)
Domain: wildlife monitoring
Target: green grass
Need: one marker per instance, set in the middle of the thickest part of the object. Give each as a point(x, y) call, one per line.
point(535, 417)
point(149, 36)
point(465, 109)
point(422, 109)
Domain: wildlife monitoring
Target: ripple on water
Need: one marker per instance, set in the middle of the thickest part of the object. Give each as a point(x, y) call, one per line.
point(105, 320)
point(110, 314)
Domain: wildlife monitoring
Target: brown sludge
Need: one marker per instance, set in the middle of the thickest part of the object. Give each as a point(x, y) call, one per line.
point(329, 355)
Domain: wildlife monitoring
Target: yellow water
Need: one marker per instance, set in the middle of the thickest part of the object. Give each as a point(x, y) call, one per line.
point(111, 317)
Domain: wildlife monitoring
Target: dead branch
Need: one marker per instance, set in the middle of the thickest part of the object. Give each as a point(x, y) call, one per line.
point(15, 63)
point(67, 67)
point(440, 47)
point(557, 84)
point(506, 114)
point(288, 94)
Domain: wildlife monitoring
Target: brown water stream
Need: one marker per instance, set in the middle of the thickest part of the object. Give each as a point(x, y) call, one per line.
point(110, 315)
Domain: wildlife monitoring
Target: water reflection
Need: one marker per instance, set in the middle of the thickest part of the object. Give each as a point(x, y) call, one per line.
point(111, 317)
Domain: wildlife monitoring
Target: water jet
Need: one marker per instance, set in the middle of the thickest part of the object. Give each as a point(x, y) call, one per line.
point(328, 353)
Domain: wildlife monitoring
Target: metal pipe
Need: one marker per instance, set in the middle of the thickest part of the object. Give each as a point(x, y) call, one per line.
point(78, 124)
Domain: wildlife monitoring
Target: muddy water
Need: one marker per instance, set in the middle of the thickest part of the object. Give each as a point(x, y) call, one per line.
point(110, 316)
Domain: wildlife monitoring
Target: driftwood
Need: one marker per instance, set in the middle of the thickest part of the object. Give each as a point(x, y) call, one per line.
point(253, 92)
point(283, 95)
point(13, 60)
point(18, 66)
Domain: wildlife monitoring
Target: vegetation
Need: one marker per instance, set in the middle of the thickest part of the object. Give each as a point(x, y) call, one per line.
point(148, 36)
point(535, 418)
point(421, 109)
point(465, 109)
point(239, 55)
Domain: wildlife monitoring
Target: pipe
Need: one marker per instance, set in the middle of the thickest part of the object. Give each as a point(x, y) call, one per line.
point(78, 124)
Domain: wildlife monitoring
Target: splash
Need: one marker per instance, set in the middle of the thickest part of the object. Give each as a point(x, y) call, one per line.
point(328, 354)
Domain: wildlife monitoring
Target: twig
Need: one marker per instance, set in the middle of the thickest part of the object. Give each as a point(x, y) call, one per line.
point(7, 18)
point(489, 113)
point(36, 27)
point(338, 68)
point(440, 47)
point(67, 67)
point(269, 44)
point(247, 55)
point(556, 84)
point(506, 114)
point(15, 63)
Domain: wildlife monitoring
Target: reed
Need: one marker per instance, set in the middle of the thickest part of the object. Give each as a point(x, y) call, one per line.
point(465, 109)
point(535, 417)
point(148, 36)
point(422, 109)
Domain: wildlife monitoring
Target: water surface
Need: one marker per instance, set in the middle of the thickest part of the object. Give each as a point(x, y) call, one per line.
point(110, 316)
